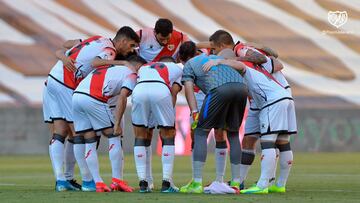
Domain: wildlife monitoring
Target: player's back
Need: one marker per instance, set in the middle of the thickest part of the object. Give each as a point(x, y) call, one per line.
point(106, 82)
point(83, 54)
point(264, 89)
point(164, 72)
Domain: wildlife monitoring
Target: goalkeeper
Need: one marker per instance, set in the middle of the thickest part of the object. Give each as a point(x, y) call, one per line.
point(223, 108)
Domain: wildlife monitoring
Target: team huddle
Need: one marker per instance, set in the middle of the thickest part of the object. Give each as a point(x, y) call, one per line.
point(87, 90)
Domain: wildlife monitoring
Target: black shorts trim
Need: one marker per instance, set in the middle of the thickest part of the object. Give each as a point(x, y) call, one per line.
point(143, 126)
point(59, 118)
point(84, 131)
point(100, 129)
point(166, 127)
point(112, 106)
point(254, 133)
point(287, 87)
point(254, 109)
point(289, 133)
point(153, 81)
point(105, 102)
point(272, 103)
point(48, 121)
point(275, 132)
point(61, 82)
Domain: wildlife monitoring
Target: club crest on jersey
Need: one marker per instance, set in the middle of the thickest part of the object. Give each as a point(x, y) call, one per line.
point(171, 47)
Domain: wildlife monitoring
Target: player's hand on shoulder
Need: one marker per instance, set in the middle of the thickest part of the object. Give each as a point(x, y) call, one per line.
point(69, 63)
point(213, 62)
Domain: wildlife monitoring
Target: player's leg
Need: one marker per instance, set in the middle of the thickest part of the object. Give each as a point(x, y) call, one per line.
point(247, 154)
point(220, 154)
point(286, 160)
point(140, 156)
point(69, 161)
point(82, 125)
point(168, 157)
point(92, 161)
point(237, 99)
point(273, 120)
point(149, 176)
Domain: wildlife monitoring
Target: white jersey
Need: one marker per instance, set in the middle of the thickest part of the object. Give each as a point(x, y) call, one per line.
point(268, 66)
point(83, 54)
point(164, 72)
point(264, 90)
point(151, 50)
point(106, 82)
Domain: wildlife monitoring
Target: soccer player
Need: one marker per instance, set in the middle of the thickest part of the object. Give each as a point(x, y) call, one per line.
point(153, 105)
point(61, 83)
point(155, 43)
point(187, 51)
point(92, 114)
point(252, 127)
point(223, 108)
point(160, 41)
point(275, 108)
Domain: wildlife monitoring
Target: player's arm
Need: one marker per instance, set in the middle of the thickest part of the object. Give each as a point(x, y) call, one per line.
point(269, 51)
point(237, 65)
point(68, 62)
point(253, 57)
point(190, 96)
point(70, 43)
point(120, 109)
point(175, 89)
point(277, 65)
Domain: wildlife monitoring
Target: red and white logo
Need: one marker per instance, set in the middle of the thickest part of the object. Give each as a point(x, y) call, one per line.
point(88, 154)
point(140, 155)
point(171, 47)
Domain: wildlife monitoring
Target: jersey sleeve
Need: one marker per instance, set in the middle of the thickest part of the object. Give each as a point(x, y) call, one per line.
point(268, 65)
point(130, 82)
point(188, 73)
point(108, 53)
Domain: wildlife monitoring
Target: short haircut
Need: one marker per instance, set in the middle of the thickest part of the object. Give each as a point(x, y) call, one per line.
point(164, 27)
point(221, 37)
point(135, 59)
point(187, 50)
point(128, 33)
point(167, 59)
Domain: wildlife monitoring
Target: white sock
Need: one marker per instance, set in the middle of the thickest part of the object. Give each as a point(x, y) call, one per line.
point(79, 152)
point(244, 170)
point(149, 177)
point(115, 155)
point(197, 170)
point(235, 172)
point(92, 161)
point(168, 157)
point(140, 161)
point(69, 161)
point(276, 161)
point(220, 157)
point(268, 157)
point(286, 160)
point(56, 151)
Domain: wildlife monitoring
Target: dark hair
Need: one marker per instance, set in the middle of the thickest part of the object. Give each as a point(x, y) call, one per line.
point(221, 37)
point(164, 27)
point(136, 59)
point(187, 50)
point(128, 33)
point(167, 59)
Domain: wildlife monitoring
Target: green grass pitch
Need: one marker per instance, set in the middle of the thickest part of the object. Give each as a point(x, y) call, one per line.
point(315, 177)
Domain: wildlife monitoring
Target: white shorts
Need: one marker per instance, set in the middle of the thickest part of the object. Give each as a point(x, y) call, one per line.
point(278, 118)
point(46, 108)
point(152, 105)
point(252, 124)
point(58, 101)
point(90, 114)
